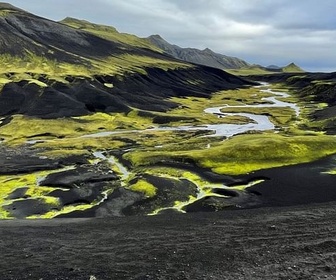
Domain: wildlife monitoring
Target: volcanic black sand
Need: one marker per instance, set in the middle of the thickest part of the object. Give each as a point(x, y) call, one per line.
point(289, 242)
point(269, 243)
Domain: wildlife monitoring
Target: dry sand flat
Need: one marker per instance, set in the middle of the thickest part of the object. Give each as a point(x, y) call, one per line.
point(270, 243)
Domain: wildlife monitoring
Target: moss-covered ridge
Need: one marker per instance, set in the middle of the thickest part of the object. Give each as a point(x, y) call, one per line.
point(53, 70)
point(110, 33)
point(51, 96)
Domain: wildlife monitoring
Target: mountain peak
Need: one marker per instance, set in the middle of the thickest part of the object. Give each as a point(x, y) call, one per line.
point(156, 36)
point(207, 50)
point(75, 20)
point(292, 67)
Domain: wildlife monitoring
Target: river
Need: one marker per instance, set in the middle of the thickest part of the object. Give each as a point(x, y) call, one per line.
point(258, 122)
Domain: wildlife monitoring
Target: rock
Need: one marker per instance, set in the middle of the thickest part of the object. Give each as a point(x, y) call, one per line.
point(79, 176)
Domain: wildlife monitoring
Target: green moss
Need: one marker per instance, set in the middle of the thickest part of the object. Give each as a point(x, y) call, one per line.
point(4, 13)
point(58, 70)
point(37, 82)
point(23, 128)
point(251, 70)
point(246, 153)
point(110, 33)
point(144, 187)
point(279, 115)
point(64, 210)
point(292, 68)
point(30, 182)
point(108, 85)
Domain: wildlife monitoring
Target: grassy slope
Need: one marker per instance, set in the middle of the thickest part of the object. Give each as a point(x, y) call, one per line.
point(138, 54)
point(259, 70)
point(110, 33)
point(245, 153)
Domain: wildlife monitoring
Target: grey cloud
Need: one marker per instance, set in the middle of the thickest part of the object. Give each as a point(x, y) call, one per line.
point(260, 31)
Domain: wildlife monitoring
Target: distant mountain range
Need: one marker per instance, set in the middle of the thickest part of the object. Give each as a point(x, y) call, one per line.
point(155, 42)
point(209, 58)
point(205, 57)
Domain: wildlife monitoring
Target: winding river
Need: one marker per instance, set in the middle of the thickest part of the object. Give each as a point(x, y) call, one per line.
point(258, 122)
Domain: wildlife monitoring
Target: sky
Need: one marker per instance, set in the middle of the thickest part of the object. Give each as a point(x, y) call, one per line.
point(263, 32)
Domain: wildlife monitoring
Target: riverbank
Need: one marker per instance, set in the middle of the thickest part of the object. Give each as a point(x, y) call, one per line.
point(269, 243)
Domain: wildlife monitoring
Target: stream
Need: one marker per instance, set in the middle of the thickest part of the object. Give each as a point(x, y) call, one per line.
point(258, 122)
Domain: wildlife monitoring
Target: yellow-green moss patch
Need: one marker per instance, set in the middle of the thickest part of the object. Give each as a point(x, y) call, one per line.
point(144, 187)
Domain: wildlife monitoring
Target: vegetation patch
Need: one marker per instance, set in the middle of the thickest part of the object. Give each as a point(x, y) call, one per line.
point(29, 182)
point(246, 153)
point(279, 115)
point(144, 187)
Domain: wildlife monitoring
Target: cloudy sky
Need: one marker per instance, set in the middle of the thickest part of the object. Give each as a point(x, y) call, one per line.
point(259, 31)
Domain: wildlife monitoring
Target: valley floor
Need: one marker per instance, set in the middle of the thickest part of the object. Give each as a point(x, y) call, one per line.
point(270, 243)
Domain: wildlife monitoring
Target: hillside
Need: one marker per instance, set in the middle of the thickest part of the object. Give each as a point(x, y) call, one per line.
point(110, 33)
point(256, 69)
point(50, 69)
point(204, 57)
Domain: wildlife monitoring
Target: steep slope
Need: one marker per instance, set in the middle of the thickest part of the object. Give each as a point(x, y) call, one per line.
point(110, 33)
point(52, 70)
point(204, 57)
point(292, 68)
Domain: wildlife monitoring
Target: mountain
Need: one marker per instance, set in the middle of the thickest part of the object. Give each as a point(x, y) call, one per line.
point(109, 33)
point(204, 57)
point(51, 69)
point(256, 69)
point(292, 68)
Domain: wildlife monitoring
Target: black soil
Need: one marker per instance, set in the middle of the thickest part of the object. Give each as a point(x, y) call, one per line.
point(285, 243)
point(82, 96)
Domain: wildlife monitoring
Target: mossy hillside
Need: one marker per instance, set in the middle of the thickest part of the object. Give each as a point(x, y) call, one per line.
point(31, 63)
point(245, 153)
point(260, 70)
point(292, 68)
point(24, 128)
point(19, 66)
point(236, 97)
point(109, 33)
point(248, 152)
point(76, 146)
point(252, 70)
